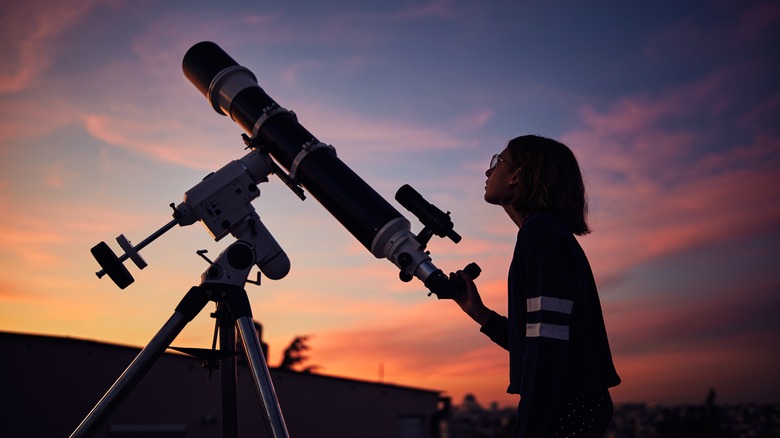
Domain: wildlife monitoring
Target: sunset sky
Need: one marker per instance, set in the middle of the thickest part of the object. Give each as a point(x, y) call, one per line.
point(672, 108)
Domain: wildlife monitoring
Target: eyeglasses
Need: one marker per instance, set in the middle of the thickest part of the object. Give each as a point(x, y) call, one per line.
point(497, 159)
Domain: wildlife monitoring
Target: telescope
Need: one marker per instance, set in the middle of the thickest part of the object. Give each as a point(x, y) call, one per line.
point(233, 90)
point(222, 203)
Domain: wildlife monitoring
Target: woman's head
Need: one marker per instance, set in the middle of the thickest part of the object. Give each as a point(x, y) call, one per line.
point(540, 174)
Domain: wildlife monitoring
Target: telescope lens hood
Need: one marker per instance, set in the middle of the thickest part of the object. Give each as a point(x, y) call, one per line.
point(203, 62)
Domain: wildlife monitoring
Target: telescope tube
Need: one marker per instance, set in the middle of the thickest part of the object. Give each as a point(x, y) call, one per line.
point(233, 91)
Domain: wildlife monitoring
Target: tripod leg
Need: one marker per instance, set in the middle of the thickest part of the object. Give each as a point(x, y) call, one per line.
point(188, 308)
point(227, 370)
point(240, 310)
point(261, 376)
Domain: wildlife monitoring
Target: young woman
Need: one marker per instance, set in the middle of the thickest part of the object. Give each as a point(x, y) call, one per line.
point(559, 358)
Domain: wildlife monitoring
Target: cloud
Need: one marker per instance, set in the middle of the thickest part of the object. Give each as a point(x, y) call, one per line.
point(32, 240)
point(667, 320)
point(155, 137)
point(29, 34)
point(432, 9)
point(390, 138)
point(676, 170)
point(161, 132)
point(57, 175)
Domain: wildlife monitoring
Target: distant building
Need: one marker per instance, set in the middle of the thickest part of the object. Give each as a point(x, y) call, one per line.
point(49, 384)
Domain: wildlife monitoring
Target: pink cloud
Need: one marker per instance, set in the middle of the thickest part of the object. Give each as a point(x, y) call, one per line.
point(148, 135)
point(663, 181)
point(57, 175)
point(46, 234)
point(20, 119)
point(433, 9)
point(30, 30)
point(702, 212)
point(664, 320)
point(474, 119)
point(11, 293)
point(32, 239)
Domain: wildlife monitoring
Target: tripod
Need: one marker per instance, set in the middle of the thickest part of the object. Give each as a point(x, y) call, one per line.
point(223, 282)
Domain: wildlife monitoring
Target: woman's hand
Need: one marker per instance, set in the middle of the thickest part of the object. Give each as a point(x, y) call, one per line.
point(471, 302)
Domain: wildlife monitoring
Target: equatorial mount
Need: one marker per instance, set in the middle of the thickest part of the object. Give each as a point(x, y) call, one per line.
point(222, 202)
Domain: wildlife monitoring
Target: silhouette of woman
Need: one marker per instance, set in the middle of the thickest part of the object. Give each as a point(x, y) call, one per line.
point(559, 357)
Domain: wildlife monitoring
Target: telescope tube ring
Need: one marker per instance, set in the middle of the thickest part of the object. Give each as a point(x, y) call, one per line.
point(269, 112)
point(306, 149)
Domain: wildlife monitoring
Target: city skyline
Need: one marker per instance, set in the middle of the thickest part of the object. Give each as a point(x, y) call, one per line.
point(671, 109)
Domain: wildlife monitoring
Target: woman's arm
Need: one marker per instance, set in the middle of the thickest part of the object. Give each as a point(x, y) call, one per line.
point(495, 326)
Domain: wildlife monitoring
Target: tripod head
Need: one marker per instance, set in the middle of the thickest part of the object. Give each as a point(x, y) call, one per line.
point(222, 202)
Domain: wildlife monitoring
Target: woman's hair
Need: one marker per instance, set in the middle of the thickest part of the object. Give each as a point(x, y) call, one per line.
point(550, 180)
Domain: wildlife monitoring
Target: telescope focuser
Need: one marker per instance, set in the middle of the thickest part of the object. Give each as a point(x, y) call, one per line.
point(453, 286)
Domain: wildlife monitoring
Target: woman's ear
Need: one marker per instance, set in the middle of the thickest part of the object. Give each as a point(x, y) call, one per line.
point(515, 178)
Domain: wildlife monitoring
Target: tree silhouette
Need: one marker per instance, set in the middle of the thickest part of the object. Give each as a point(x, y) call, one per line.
point(294, 356)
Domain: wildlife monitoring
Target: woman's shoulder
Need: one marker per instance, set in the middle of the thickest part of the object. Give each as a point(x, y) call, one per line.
point(544, 222)
point(546, 232)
